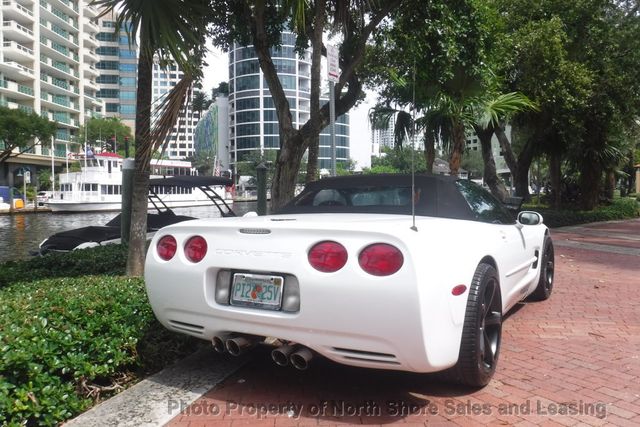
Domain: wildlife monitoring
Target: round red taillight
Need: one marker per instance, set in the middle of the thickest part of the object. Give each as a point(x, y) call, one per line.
point(328, 256)
point(195, 249)
point(166, 247)
point(381, 259)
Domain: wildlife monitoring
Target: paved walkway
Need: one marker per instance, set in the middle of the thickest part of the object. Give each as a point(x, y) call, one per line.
point(572, 360)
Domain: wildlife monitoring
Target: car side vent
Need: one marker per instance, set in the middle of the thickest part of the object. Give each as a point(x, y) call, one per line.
point(187, 327)
point(366, 356)
point(255, 231)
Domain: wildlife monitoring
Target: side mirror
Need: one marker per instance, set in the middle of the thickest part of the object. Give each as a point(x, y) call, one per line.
point(529, 218)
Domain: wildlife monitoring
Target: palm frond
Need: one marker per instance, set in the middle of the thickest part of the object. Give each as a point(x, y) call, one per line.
point(502, 107)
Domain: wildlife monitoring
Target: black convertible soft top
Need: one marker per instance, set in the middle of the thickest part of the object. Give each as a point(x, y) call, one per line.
point(436, 195)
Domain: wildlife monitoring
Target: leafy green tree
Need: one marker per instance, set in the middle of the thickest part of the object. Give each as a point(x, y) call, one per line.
point(169, 30)
point(22, 131)
point(101, 132)
point(260, 23)
point(397, 160)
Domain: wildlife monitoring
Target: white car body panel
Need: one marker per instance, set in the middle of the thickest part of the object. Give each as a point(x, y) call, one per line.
point(406, 321)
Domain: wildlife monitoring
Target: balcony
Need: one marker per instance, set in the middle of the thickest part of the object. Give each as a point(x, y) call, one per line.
point(90, 71)
point(58, 17)
point(16, 106)
point(16, 71)
point(89, 40)
point(57, 68)
point(58, 51)
point(58, 86)
point(16, 90)
point(14, 10)
point(14, 51)
point(89, 26)
point(56, 32)
point(66, 6)
point(61, 118)
point(89, 55)
point(16, 32)
point(59, 101)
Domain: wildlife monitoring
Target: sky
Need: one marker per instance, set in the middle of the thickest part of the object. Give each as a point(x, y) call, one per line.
point(360, 139)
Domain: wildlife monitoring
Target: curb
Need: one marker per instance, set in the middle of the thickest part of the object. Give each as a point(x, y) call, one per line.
point(160, 398)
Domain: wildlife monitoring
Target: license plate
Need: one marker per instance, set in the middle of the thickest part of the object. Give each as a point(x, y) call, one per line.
point(257, 290)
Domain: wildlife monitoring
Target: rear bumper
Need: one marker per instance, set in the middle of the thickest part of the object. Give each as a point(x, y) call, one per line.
point(349, 317)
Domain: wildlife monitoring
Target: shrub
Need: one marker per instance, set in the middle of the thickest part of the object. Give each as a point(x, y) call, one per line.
point(66, 341)
point(109, 259)
point(618, 209)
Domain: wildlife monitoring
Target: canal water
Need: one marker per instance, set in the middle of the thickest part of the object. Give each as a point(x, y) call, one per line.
point(22, 233)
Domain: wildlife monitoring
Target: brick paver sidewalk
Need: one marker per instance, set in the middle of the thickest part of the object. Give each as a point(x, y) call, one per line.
point(572, 360)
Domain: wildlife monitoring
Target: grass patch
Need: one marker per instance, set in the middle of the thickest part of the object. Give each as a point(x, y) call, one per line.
point(622, 208)
point(67, 342)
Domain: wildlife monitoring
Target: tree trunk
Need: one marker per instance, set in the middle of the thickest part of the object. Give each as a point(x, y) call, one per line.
point(490, 174)
point(139, 203)
point(556, 173)
point(609, 184)
point(286, 171)
point(590, 176)
point(458, 137)
point(507, 151)
point(314, 110)
point(521, 176)
point(429, 152)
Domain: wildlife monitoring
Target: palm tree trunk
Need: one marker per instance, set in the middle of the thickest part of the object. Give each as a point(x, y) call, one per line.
point(138, 230)
point(458, 137)
point(429, 152)
point(490, 174)
point(556, 172)
point(507, 151)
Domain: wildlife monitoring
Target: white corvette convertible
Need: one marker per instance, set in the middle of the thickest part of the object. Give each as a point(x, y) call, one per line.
point(343, 272)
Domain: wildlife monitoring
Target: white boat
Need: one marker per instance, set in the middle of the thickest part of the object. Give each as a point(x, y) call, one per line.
point(98, 186)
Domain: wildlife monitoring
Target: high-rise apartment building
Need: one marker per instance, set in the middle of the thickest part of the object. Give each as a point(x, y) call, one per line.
point(118, 69)
point(47, 66)
point(211, 136)
point(253, 122)
point(179, 142)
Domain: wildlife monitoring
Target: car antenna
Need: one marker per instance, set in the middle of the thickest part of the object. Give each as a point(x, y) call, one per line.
point(413, 153)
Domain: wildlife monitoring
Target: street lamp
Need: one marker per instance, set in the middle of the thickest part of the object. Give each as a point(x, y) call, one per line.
point(26, 174)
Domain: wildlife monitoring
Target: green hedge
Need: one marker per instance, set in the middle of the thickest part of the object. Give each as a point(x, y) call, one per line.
point(109, 260)
point(618, 209)
point(66, 342)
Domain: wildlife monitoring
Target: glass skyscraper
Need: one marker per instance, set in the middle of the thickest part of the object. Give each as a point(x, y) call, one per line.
point(252, 116)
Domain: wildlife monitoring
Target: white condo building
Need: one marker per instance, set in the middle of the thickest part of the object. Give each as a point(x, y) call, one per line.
point(180, 140)
point(47, 66)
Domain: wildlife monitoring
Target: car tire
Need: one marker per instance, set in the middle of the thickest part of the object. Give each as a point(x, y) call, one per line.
point(547, 267)
point(482, 331)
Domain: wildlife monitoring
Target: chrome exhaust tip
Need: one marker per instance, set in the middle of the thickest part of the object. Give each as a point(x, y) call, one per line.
point(218, 344)
point(239, 345)
point(281, 354)
point(301, 359)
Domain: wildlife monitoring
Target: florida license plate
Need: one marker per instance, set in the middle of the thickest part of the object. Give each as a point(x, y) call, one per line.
point(257, 290)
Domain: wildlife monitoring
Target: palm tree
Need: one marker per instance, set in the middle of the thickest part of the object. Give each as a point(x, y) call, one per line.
point(169, 30)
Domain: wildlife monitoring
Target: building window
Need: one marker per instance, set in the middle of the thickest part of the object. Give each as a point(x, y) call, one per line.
point(106, 37)
point(107, 50)
point(112, 108)
point(127, 109)
point(247, 83)
point(129, 68)
point(247, 116)
point(247, 104)
point(107, 79)
point(128, 81)
point(128, 54)
point(107, 65)
point(271, 129)
point(107, 93)
point(127, 94)
point(247, 67)
point(252, 129)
